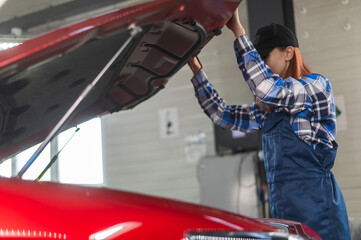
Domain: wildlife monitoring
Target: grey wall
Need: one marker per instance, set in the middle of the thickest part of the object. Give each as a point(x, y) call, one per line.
point(137, 159)
point(331, 50)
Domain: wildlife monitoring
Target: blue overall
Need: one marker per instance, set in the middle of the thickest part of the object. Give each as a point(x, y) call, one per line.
point(301, 185)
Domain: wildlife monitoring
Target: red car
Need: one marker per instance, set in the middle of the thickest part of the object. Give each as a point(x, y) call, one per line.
point(95, 67)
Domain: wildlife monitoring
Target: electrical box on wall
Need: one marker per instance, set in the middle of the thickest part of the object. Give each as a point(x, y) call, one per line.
point(231, 183)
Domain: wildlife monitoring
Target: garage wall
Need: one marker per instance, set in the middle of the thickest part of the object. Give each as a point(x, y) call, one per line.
point(332, 47)
point(137, 159)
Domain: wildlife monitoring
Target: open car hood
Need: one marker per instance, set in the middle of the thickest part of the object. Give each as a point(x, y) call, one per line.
point(41, 78)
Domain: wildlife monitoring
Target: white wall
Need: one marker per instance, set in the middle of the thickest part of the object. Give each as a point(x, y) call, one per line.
point(336, 53)
point(137, 159)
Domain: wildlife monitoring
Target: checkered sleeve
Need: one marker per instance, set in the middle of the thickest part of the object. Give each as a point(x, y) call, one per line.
point(233, 117)
point(270, 88)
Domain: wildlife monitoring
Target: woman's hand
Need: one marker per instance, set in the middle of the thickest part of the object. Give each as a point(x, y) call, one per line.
point(195, 65)
point(235, 25)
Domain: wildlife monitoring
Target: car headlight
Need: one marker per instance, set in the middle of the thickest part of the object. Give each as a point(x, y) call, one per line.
point(241, 236)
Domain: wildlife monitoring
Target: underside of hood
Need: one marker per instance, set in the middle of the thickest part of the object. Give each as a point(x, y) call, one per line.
point(41, 78)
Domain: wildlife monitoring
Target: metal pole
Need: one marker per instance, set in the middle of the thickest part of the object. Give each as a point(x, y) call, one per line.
point(134, 31)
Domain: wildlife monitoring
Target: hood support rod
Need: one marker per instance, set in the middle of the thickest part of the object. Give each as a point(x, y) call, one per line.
point(55, 157)
point(134, 31)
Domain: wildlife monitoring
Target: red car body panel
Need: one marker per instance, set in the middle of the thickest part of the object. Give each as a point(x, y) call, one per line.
point(30, 209)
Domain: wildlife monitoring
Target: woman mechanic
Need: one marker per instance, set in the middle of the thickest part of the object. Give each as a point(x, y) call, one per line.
point(295, 111)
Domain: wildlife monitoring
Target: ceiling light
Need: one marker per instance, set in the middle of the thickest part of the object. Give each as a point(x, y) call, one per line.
point(303, 11)
point(347, 27)
point(2, 2)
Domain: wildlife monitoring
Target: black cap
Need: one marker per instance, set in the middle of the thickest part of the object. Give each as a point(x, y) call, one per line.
point(271, 36)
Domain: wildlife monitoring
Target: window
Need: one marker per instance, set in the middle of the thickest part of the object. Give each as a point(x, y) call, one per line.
point(81, 160)
point(37, 167)
point(5, 168)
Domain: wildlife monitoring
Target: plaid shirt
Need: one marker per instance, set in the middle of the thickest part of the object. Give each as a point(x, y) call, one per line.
point(308, 100)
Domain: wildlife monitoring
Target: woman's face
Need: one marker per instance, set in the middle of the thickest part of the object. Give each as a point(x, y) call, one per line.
point(279, 59)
